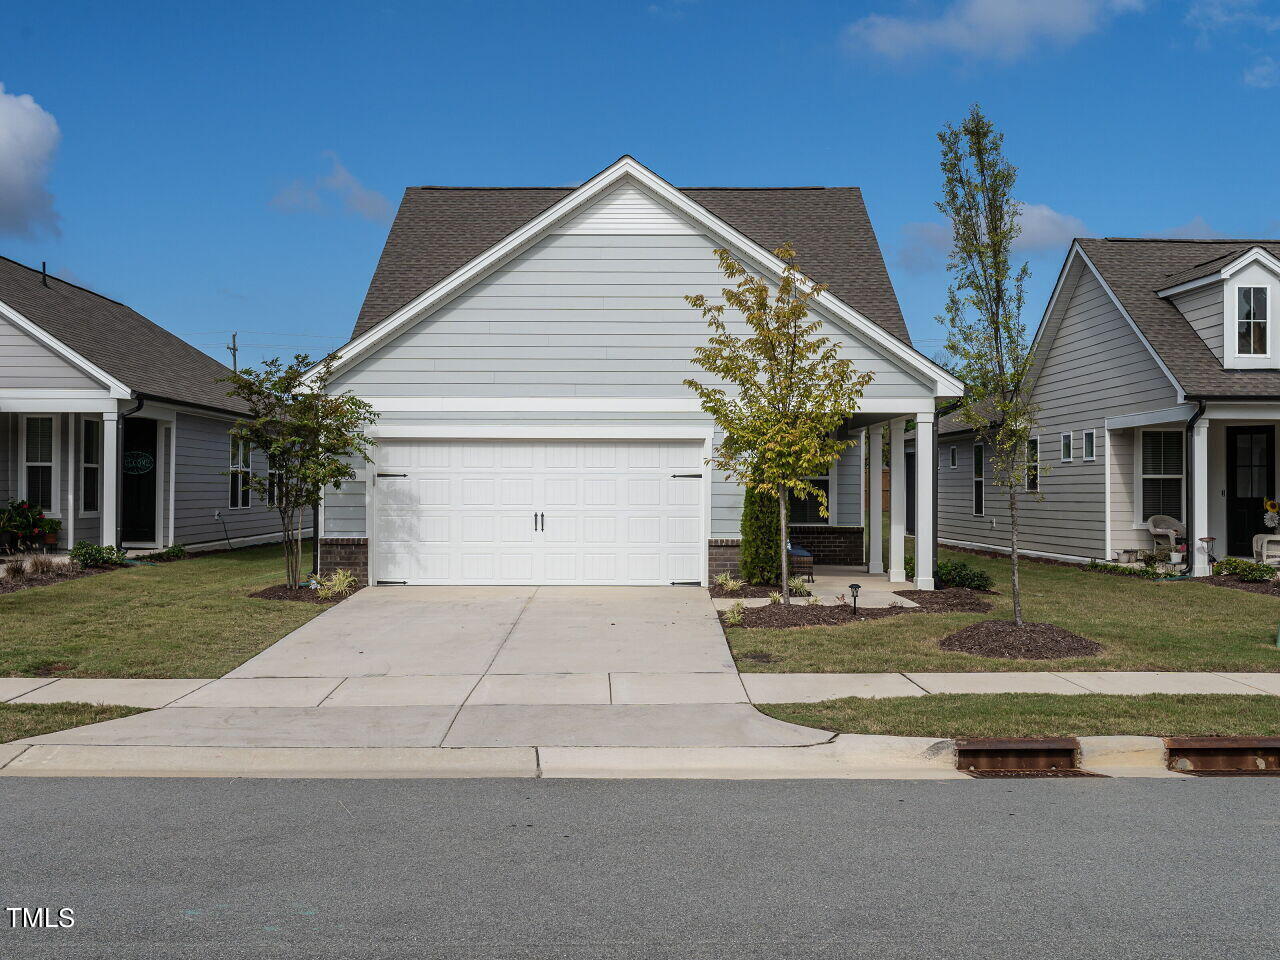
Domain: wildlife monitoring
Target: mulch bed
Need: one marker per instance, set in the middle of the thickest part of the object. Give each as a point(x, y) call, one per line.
point(300, 594)
point(749, 591)
point(1032, 641)
point(1271, 588)
point(14, 584)
point(950, 600)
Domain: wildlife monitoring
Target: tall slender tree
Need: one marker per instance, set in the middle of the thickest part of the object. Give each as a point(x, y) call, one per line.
point(987, 338)
point(792, 390)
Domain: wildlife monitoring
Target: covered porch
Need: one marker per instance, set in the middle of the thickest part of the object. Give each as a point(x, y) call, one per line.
point(98, 465)
point(1210, 465)
point(912, 494)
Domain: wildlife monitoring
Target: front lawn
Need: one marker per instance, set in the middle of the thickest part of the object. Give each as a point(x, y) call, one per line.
point(1142, 626)
point(190, 618)
point(1040, 715)
point(21, 720)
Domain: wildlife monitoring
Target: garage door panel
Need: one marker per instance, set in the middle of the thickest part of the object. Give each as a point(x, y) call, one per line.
point(608, 512)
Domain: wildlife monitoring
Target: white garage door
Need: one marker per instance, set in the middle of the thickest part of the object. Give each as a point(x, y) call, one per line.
point(538, 512)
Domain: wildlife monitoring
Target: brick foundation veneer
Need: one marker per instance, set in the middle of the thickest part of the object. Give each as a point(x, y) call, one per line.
point(841, 546)
point(345, 553)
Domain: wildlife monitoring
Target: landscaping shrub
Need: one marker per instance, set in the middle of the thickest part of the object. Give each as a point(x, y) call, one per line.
point(175, 552)
point(1118, 569)
point(336, 585)
point(1246, 570)
point(760, 561)
point(953, 573)
point(42, 565)
point(92, 555)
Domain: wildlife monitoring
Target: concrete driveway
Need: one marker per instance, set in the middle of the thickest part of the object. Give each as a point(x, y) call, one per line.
point(477, 667)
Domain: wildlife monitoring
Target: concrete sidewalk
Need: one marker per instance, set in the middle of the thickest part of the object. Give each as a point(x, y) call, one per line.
point(614, 688)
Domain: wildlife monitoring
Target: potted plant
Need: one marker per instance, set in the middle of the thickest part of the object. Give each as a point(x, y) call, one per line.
point(27, 523)
point(49, 527)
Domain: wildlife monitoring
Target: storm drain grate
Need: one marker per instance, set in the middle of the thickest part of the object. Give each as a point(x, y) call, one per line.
point(1224, 756)
point(1030, 774)
point(1019, 757)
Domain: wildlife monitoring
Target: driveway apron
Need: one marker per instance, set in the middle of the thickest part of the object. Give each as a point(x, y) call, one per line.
point(477, 667)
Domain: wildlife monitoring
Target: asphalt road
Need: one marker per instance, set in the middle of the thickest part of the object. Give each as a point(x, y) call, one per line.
point(595, 869)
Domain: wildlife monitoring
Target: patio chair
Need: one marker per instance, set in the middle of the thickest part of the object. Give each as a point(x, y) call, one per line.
point(1167, 527)
point(1266, 548)
point(800, 561)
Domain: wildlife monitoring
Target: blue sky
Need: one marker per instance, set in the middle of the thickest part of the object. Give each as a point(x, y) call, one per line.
point(235, 165)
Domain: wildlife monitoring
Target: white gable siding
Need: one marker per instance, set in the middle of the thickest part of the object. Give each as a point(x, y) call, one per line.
point(1203, 309)
point(25, 363)
point(627, 210)
point(1096, 367)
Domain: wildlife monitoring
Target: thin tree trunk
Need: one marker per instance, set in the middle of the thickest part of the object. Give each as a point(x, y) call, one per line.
point(1016, 583)
point(782, 543)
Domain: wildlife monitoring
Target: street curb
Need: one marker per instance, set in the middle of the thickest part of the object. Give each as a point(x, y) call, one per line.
point(1126, 757)
point(68, 760)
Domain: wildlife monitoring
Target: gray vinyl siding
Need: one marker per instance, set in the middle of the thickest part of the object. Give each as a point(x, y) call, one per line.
point(203, 455)
point(1204, 310)
point(581, 315)
point(25, 363)
point(1096, 367)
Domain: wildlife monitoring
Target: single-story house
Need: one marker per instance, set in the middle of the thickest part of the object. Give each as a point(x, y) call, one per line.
point(116, 427)
point(1157, 375)
point(525, 349)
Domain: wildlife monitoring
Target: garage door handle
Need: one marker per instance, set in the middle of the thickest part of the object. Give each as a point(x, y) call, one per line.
point(686, 476)
point(535, 521)
point(393, 474)
point(543, 518)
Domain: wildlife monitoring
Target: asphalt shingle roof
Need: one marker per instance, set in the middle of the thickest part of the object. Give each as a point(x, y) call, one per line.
point(439, 229)
point(143, 356)
point(1136, 269)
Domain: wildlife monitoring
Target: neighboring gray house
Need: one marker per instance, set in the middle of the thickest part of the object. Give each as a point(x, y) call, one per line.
point(525, 349)
point(114, 425)
point(1157, 373)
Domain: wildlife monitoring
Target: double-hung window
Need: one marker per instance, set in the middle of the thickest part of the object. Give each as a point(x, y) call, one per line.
point(1033, 465)
point(39, 477)
point(1161, 478)
point(90, 467)
point(1252, 319)
point(237, 488)
point(979, 463)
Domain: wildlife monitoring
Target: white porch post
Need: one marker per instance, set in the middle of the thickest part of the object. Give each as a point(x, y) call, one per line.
point(874, 452)
point(897, 502)
point(926, 464)
point(110, 476)
point(1199, 498)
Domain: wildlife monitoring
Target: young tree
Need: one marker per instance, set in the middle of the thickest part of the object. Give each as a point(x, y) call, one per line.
point(793, 390)
point(986, 335)
point(310, 439)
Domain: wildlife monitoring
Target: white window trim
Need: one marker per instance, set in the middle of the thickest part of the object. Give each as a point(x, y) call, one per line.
point(1138, 475)
point(1266, 321)
point(272, 482)
point(55, 486)
point(1071, 447)
point(1026, 484)
point(82, 466)
point(953, 458)
point(1084, 446)
point(235, 447)
point(1231, 319)
point(978, 476)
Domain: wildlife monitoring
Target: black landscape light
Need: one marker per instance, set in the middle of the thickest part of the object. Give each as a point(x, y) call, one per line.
point(853, 592)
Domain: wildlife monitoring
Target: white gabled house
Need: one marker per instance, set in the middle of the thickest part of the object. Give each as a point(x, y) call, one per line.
point(1157, 372)
point(525, 349)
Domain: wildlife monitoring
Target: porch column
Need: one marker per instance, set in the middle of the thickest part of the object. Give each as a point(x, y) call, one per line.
point(874, 527)
point(897, 502)
point(110, 477)
point(1199, 454)
point(926, 464)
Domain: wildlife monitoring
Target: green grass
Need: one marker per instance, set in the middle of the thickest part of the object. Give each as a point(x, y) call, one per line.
point(1142, 626)
point(1040, 715)
point(192, 618)
point(21, 720)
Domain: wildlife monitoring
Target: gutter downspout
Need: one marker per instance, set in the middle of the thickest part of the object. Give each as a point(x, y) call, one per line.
point(1188, 477)
point(120, 466)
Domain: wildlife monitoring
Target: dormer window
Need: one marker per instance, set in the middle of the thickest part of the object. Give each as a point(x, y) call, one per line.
point(1251, 322)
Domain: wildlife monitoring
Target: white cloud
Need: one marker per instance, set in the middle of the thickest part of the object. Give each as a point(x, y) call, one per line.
point(1197, 228)
point(341, 183)
point(926, 245)
point(986, 29)
point(1264, 73)
point(28, 138)
point(1045, 229)
point(1210, 15)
